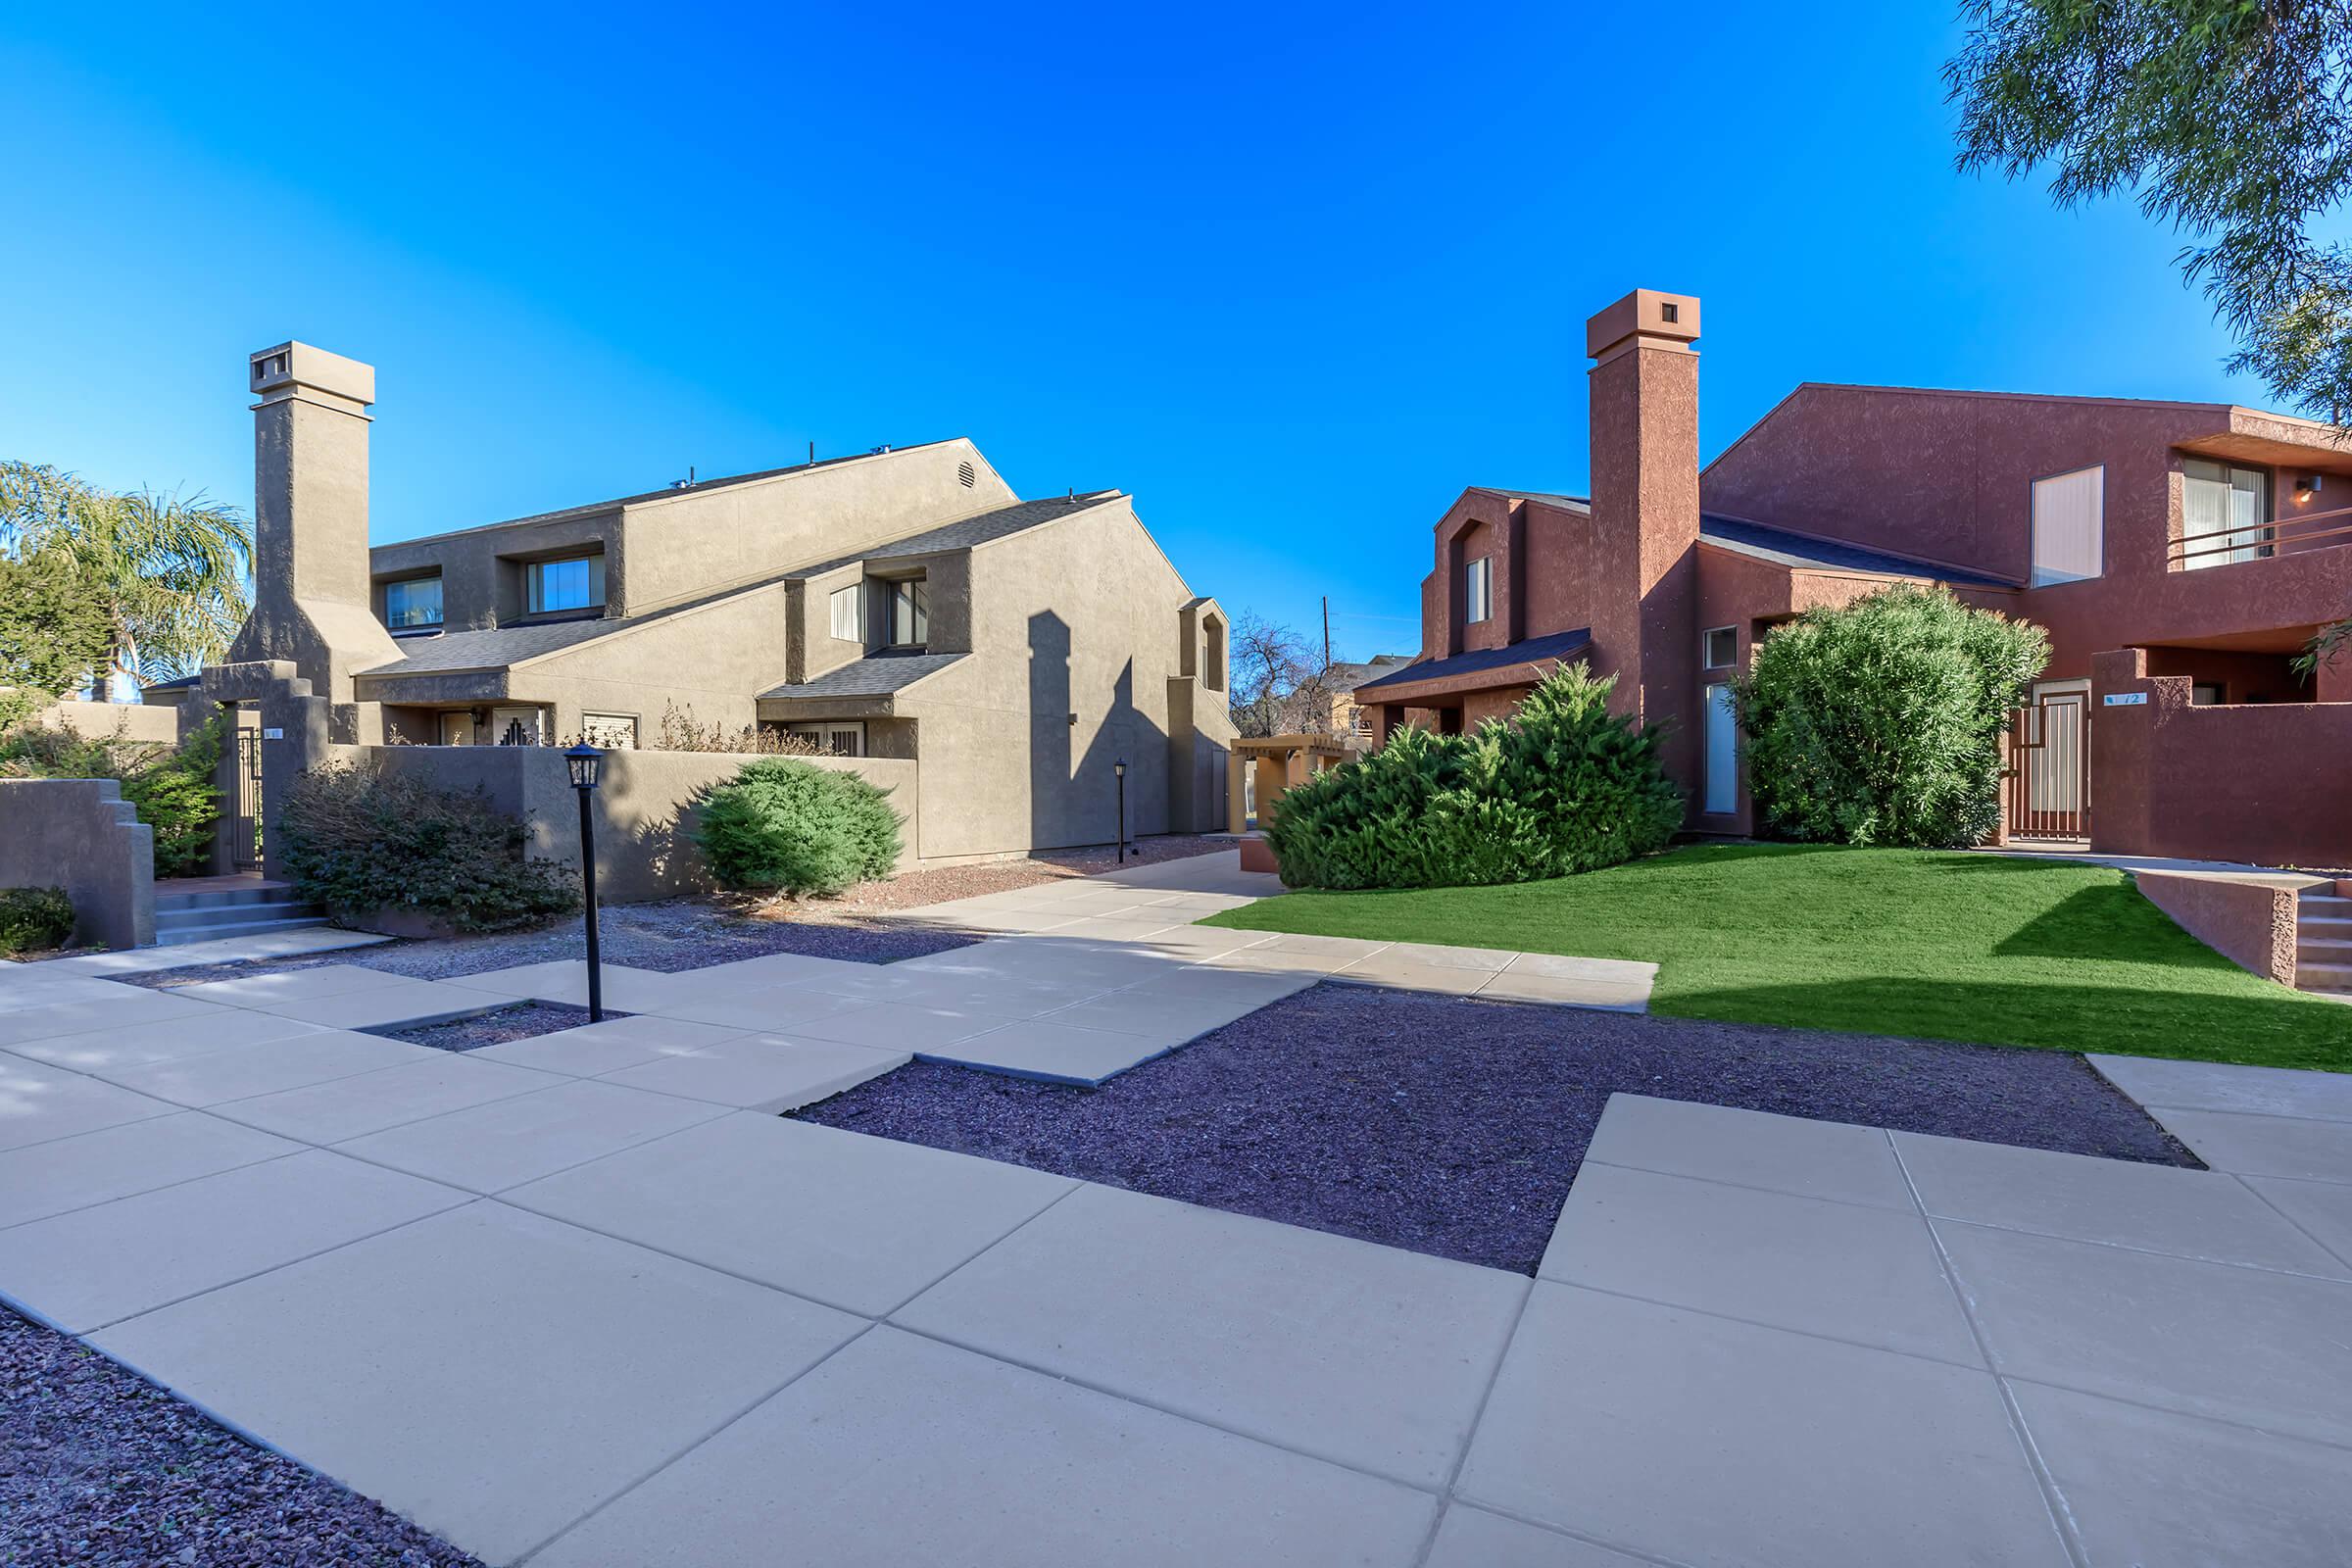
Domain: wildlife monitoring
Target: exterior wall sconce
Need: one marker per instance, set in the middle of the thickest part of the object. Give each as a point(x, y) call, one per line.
point(1118, 772)
point(2307, 485)
point(586, 762)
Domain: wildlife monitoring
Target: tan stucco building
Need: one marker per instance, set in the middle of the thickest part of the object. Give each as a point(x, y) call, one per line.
point(905, 604)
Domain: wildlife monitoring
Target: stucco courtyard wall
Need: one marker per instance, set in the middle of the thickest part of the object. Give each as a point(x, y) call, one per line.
point(2251, 923)
point(644, 803)
point(80, 835)
point(149, 723)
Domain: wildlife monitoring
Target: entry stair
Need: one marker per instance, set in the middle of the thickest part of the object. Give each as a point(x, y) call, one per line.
point(207, 914)
point(2324, 943)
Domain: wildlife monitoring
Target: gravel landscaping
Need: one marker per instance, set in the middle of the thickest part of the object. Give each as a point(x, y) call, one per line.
point(521, 1021)
point(1454, 1126)
point(99, 1466)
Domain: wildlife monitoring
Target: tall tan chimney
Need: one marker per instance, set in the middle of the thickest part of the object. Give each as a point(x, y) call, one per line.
point(312, 601)
point(1644, 417)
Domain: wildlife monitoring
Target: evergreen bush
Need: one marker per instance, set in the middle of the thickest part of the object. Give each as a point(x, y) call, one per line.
point(360, 842)
point(172, 789)
point(1566, 786)
point(34, 919)
point(792, 826)
point(1879, 722)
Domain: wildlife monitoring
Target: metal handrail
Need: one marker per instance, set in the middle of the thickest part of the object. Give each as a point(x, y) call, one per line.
point(2268, 535)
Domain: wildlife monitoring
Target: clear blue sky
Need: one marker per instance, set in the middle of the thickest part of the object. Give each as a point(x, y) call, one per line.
point(1293, 275)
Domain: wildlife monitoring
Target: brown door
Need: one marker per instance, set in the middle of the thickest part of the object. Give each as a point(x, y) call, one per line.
point(2050, 763)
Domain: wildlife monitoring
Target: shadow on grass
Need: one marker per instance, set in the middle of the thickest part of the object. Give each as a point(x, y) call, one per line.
point(2281, 1030)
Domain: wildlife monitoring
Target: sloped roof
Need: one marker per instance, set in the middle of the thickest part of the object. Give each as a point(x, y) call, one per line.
point(875, 675)
point(1528, 650)
point(963, 533)
point(496, 647)
point(1348, 677)
point(1780, 545)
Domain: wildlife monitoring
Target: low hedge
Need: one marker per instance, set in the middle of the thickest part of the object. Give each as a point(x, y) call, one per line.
point(1566, 786)
point(34, 919)
point(362, 843)
point(793, 827)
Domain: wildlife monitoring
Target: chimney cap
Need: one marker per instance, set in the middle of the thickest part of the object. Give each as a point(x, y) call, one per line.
point(1654, 319)
point(291, 369)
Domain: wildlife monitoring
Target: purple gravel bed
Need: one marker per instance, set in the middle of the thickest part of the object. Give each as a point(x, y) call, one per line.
point(1455, 1127)
point(678, 935)
point(99, 1466)
point(522, 1021)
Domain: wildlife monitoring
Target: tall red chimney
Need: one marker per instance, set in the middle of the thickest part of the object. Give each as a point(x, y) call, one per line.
point(1645, 391)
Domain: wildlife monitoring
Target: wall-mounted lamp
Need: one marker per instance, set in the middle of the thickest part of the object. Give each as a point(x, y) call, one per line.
point(2307, 485)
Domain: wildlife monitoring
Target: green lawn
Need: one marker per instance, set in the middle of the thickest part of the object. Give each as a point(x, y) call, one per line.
point(1902, 942)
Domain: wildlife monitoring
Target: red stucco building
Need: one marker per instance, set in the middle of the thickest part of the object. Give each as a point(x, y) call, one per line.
point(2179, 553)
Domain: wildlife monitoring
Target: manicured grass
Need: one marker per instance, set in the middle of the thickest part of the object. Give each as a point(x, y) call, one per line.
point(1979, 948)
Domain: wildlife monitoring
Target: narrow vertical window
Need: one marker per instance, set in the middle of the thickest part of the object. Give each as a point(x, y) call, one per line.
point(1478, 591)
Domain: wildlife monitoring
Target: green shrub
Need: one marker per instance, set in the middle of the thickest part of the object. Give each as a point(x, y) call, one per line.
point(793, 826)
point(1879, 722)
point(1566, 787)
point(172, 790)
point(34, 919)
point(359, 842)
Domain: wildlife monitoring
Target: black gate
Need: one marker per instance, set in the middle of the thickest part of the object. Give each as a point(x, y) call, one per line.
point(247, 833)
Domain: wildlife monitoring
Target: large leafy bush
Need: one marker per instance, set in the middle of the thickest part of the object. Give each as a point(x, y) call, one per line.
point(793, 826)
point(1879, 722)
point(1566, 787)
point(34, 919)
point(172, 789)
point(362, 842)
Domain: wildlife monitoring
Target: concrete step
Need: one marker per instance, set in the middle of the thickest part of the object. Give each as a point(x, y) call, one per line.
point(225, 898)
point(217, 914)
point(2326, 930)
point(215, 933)
point(2310, 949)
point(2323, 906)
point(2323, 976)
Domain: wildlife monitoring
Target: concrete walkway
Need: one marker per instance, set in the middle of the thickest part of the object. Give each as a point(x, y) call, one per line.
point(585, 1318)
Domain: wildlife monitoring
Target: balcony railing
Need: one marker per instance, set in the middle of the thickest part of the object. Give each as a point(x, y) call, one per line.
point(2219, 546)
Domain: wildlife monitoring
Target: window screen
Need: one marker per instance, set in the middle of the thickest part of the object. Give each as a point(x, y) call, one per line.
point(574, 584)
point(2069, 526)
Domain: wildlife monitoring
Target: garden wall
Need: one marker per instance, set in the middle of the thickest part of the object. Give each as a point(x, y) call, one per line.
point(2249, 921)
point(642, 804)
point(80, 834)
point(152, 722)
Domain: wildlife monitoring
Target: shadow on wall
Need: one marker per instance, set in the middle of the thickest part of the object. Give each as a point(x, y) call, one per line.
point(1076, 800)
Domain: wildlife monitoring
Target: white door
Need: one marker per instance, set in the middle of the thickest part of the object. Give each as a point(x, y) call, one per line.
point(1722, 751)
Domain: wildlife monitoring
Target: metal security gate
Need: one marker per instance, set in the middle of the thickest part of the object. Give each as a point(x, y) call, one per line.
point(2048, 782)
point(246, 838)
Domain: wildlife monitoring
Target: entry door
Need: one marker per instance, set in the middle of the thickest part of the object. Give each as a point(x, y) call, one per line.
point(1722, 751)
point(2049, 758)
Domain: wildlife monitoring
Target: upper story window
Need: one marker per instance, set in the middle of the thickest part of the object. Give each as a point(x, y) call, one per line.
point(574, 584)
point(1213, 653)
point(1478, 591)
point(2070, 526)
point(2225, 513)
point(1722, 647)
point(848, 608)
point(413, 603)
point(909, 613)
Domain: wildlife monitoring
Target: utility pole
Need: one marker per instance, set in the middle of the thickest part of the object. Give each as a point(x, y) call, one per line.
point(1327, 631)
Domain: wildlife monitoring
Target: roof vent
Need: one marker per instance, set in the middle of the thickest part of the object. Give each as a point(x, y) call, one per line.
point(966, 476)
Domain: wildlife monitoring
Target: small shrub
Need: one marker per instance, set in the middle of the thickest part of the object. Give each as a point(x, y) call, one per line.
point(1567, 787)
point(792, 826)
point(172, 789)
point(34, 919)
point(1879, 722)
point(359, 842)
point(681, 731)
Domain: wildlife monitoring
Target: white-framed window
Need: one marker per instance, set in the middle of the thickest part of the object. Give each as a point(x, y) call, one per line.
point(2069, 526)
point(2225, 513)
point(848, 608)
point(909, 613)
point(413, 603)
point(843, 737)
point(574, 584)
point(1722, 647)
point(1478, 589)
point(612, 732)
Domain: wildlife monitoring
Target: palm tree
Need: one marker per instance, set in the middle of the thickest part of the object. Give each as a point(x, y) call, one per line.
point(170, 569)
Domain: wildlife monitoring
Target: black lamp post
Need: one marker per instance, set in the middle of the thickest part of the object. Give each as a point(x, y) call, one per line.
point(1119, 771)
point(585, 762)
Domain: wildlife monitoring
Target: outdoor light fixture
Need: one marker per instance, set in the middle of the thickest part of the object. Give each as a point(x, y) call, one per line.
point(1119, 771)
point(2307, 485)
point(586, 762)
